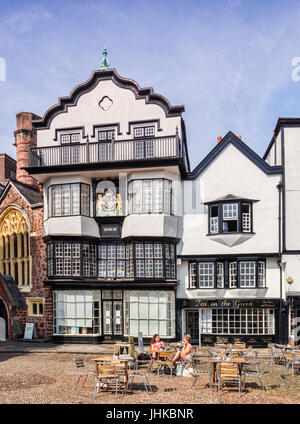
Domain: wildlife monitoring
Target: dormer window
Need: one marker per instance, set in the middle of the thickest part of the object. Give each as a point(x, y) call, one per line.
point(230, 216)
point(144, 132)
point(70, 138)
point(106, 135)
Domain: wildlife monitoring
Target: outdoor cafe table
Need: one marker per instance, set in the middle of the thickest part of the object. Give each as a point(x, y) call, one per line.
point(215, 361)
point(116, 361)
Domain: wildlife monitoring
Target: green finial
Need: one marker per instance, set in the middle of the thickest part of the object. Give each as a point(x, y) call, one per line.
point(105, 64)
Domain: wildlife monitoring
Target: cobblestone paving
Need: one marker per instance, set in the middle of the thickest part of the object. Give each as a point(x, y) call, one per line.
point(49, 378)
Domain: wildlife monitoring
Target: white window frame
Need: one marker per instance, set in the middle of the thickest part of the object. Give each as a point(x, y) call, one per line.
point(244, 271)
point(206, 279)
point(232, 268)
point(220, 275)
point(193, 275)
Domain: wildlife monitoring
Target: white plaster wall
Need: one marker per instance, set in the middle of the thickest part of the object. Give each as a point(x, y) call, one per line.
point(292, 185)
point(125, 108)
point(270, 292)
point(291, 269)
point(230, 173)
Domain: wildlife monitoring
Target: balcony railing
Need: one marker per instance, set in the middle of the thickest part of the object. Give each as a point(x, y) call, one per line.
point(114, 151)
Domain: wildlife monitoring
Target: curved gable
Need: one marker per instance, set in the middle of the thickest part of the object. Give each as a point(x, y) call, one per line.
point(110, 74)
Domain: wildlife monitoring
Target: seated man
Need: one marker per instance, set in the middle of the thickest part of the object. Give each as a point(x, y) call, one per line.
point(186, 353)
point(156, 345)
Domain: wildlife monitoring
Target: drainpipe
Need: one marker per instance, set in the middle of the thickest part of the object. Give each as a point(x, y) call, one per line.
point(279, 262)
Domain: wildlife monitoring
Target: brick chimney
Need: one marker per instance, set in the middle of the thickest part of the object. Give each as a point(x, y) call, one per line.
point(219, 139)
point(25, 137)
point(239, 136)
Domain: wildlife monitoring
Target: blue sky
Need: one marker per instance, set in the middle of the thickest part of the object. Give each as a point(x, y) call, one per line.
point(227, 61)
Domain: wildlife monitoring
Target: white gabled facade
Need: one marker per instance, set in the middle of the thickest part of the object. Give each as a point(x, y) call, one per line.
point(137, 242)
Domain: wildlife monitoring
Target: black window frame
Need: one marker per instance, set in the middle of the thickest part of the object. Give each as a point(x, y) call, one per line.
point(220, 206)
point(130, 260)
point(226, 263)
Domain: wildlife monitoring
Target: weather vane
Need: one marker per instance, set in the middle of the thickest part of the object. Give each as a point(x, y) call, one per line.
point(105, 64)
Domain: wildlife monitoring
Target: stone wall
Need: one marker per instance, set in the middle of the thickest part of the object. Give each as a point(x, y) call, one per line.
point(38, 259)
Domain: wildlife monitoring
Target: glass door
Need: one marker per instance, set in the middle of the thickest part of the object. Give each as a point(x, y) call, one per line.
point(112, 308)
point(117, 318)
point(192, 325)
point(107, 319)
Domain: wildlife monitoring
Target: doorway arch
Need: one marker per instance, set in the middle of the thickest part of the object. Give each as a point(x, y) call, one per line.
point(3, 314)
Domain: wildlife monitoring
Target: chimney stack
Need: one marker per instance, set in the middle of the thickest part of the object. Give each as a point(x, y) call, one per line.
point(240, 137)
point(25, 137)
point(219, 139)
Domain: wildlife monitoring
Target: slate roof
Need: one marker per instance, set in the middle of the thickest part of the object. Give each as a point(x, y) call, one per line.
point(13, 290)
point(30, 194)
point(229, 197)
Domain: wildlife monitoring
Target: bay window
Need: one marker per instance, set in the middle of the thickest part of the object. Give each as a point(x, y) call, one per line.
point(150, 196)
point(230, 217)
point(113, 260)
point(69, 200)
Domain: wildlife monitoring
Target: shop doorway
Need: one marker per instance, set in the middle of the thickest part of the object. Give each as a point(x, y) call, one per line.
point(112, 314)
point(3, 314)
point(192, 325)
point(295, 324)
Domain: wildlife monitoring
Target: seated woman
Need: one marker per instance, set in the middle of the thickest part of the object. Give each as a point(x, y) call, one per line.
point(156, 345)
point(185, 354)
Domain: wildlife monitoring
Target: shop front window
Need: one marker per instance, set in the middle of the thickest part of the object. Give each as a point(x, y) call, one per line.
point(237, 321)
point(150, 312)
point(76, 312)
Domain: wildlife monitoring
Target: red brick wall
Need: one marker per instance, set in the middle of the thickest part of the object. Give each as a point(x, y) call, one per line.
point(39, 271)
point(7, 164)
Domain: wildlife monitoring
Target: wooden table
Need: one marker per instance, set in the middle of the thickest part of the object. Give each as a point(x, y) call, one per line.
point(106, 358)
point(215, 361)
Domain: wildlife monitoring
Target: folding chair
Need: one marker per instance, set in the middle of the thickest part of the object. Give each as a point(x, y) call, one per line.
point(81, 371)
point(142, 375)
point(251, 369)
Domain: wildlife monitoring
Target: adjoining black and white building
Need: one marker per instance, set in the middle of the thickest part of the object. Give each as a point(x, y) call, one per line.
point(136, 241)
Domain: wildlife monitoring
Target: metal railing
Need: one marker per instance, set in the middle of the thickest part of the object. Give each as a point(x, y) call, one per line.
point(114, 151)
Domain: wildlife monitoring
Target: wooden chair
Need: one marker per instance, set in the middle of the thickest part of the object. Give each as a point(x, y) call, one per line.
point(228, 374)
point(165, 361)
point(293, 360)
point(81, 371)
point(106, 377)
point(222, 346)
point(239, 346)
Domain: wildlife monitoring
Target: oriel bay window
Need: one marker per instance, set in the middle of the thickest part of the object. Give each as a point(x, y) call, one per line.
point(150, 196)
point(113, 260)
point(230, 217)
point(227, 274)
point(69, 200)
